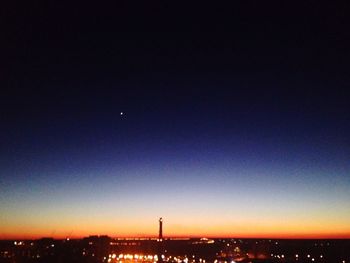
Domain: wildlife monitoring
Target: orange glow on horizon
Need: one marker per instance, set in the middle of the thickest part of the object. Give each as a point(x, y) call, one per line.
point(216, 227)
point(258, 236)
point(153, 234)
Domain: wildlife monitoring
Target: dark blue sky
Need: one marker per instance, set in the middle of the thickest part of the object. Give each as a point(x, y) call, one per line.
point(232, 108)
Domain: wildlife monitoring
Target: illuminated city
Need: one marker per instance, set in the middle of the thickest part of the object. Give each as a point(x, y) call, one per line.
point(161, 131)
point(176, 250)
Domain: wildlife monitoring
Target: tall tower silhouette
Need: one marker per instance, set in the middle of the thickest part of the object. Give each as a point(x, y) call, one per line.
point(160, 229)
point(160, 241)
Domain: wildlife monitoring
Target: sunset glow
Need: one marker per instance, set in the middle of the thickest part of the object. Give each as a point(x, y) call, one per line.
point(240, 129)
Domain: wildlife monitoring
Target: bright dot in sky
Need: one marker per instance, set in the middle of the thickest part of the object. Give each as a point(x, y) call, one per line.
point(121, 113)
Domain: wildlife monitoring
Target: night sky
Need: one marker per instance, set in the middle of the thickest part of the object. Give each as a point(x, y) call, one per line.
point(236, 120)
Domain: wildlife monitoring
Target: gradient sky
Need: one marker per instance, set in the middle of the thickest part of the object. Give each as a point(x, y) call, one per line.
point(236, 128)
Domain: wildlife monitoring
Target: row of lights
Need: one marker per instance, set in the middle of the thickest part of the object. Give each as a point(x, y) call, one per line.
point(296, 256)
point(21, 243)
point(136, 257)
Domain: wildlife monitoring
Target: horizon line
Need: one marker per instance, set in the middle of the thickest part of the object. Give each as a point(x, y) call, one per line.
point(286, 237)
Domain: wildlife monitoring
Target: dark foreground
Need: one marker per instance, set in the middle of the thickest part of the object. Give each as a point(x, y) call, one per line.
point(106, 249)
